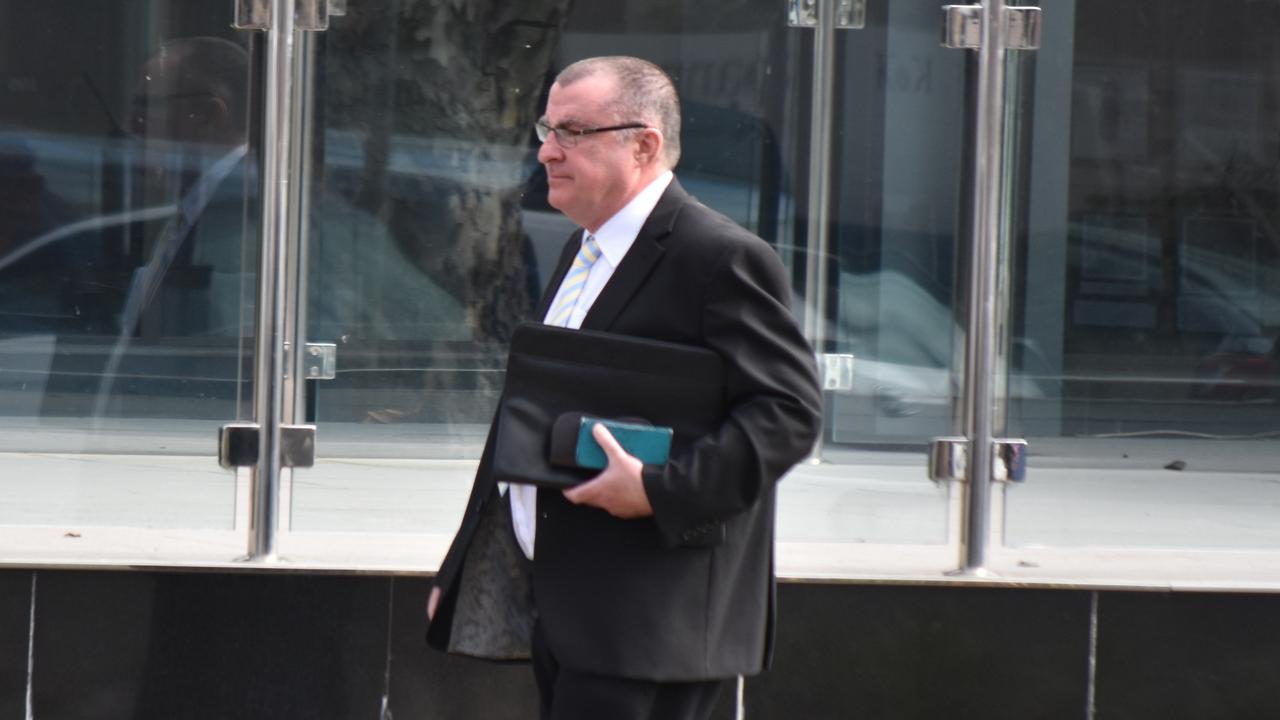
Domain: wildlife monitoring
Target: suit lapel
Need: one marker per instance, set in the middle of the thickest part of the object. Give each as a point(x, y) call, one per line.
point(638, 262)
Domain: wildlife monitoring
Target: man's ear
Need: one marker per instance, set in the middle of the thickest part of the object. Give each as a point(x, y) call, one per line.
point(221, 113)
point(649, 147)
point(212, 121)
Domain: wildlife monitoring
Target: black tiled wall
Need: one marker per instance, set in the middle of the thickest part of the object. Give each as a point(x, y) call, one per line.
point(877, 651)
point(143, 645)
point(15, 608)
point(140, 645)
point(1188, 656)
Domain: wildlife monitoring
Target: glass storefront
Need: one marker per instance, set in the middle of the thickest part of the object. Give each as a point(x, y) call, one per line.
point(1143, 279)
point(1137, 304)
point(127, 255)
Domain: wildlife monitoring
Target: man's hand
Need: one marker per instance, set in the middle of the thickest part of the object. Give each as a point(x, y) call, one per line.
point(433, 602)
point(619, 488)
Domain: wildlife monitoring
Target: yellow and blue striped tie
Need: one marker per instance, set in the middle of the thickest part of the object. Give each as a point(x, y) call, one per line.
point(574, 282)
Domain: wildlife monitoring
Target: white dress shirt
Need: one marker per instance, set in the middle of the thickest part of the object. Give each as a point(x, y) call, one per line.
point(615, 238)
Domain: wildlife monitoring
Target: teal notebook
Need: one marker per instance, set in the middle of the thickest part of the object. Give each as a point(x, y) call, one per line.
point(649, 444)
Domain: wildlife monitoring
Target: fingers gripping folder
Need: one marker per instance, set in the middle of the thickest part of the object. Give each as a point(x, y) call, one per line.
point(655, 397)
point(573, 443)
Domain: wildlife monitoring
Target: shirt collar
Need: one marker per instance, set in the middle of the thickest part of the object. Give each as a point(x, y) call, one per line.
point(617, 234)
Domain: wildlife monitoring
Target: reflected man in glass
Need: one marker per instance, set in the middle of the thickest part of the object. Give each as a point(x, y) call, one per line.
point(190, 111)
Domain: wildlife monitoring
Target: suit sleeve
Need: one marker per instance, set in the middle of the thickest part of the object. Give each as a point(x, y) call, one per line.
point(773, 399)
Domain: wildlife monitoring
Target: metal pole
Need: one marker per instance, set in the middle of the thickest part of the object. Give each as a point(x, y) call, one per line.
point(817, 238)
point(980, 341)
point(269, 360)
point(300, 169)
point(824, 60)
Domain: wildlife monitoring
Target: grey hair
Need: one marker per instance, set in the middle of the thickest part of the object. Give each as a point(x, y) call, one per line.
point(644, 94)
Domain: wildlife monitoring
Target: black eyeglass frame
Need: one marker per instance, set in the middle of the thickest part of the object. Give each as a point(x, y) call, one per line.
point(568, 137)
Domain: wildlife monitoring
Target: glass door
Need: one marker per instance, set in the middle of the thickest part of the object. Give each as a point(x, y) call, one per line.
point(128, 248)
point(1143, 297)
point(420, 255)
point(883, 284)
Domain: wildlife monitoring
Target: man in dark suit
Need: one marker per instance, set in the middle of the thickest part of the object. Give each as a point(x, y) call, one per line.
point(650, 585)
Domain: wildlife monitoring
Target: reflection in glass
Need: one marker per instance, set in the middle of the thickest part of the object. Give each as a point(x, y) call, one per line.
point(127, 256)
point(1147, 288)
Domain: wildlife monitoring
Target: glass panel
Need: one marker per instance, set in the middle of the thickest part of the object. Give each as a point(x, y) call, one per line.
point(897, 161)
point(1146, 278)
point(126, 263)
point(430, 236)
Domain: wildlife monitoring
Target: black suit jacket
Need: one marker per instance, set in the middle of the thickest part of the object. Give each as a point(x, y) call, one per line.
point(689, 593)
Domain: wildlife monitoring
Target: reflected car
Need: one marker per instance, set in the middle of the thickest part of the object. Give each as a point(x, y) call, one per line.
point(1241, 368)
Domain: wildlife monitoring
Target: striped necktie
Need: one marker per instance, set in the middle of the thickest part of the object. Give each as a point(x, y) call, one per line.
point(574, 282)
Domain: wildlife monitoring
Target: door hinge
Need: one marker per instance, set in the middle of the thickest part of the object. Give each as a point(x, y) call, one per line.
point(962, 27)
point(850, 14)
point(949, 460)
point(239, 445)
point(297, 446)
point(310, 15)
point(1008, 460)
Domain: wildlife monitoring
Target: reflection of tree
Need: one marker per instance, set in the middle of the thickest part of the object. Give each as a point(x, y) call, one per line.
point(463, 81)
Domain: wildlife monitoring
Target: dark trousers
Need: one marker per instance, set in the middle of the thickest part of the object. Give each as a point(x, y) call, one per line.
point(569, 695)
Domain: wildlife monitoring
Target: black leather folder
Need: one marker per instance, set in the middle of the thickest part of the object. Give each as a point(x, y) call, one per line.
point(554, 372)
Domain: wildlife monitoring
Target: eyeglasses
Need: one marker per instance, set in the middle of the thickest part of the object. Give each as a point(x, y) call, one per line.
point(568, 137)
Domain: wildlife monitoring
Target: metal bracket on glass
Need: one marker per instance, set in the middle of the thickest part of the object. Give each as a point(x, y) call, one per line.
point(319, 361)
point(308, 14)
point(311, 15)
point(297, 446)
point(850, 14)
point(836, 371)
point(949, 459)
point(252, 15)
point(962, 27)
point(238, 445)
point(1008, 460)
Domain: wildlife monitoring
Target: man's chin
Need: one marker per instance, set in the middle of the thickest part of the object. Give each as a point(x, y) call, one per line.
point(558, 199)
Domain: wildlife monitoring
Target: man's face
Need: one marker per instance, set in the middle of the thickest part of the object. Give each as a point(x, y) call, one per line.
point(168, 105)
point(597, 177)
point(182, 122)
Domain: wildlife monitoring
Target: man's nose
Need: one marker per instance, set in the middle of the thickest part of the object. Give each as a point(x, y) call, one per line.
point(550, 150)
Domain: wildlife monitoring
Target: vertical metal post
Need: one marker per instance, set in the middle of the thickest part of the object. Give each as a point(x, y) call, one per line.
point(824, 62)
point(980, 342)
point(817, 240)
point(269, 361)
point(300, 169)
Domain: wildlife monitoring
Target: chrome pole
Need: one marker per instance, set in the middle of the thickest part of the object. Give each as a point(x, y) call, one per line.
point(824, 60)
point(269, 360)
point(300, 169)
point(980, 342)
point(818, 236)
